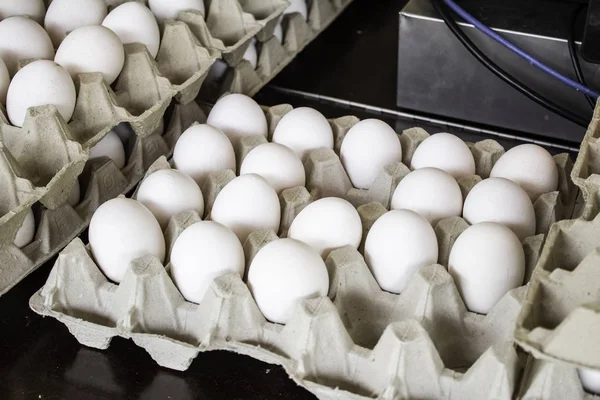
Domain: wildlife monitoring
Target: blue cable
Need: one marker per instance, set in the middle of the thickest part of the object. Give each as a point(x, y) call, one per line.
point(533, 61)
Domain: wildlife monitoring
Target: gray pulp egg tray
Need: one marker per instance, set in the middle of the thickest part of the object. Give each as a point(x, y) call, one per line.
point(359, 342)
point(47, 157)
point(273, 55)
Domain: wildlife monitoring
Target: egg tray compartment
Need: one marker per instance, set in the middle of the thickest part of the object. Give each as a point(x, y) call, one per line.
point(326, 176)
point(383, 344)
point(560, 320)
point(273, 56)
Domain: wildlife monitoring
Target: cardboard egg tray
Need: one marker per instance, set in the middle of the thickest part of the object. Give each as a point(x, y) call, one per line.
point(44, 159)
point(273, 55)
point(359, 342)
point(586, 171)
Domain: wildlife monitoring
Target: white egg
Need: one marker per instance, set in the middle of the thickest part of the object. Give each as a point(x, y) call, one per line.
point(237, 115)
point(398, 244)
point(304, 129)
point(327, 224)
point(203, 252)
point(75, 195)
point(203, 149)
point(170, 9)
point(168, 192)
point(503, 201)
point(22, 38)
point(110, 146)
point(298, 6)
point(282, 274)
point(486, 262)
point(278, 164)
point(4, 82)
point(446, 152)
point(530, 166)
point(26, 231)
point(430, 192)
point(33, 9)
point(92, 48)
point(120, 231)
point(216, 73)
point(39, 83)
point(64, 16)
point(247, 204)
point(367, 148)
point(145, 30)
point(278, 32)
point(590, 380)
point(251, 54)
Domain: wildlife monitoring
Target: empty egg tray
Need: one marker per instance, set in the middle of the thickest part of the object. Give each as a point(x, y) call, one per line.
point(43, 160)
point(359, 342)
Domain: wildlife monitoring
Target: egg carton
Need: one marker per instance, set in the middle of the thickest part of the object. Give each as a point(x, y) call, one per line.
point(52, 155)
point(586, 171)
point(274, 55)
point(545, 380)
point(560, 320)
point(328, 178)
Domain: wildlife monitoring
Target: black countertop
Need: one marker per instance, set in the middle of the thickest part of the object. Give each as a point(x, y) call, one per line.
point(41, 360)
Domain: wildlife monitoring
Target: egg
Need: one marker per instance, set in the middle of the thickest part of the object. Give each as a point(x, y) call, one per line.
point(92, 48)
point(26, 231)
point(590, 380)
point(247, 204)
point(64, 16)
point(367, 148)
point(203, 252)
point(279, 165)
point(486, 262)
point(22, 38)
point(120, 231)
point(282, 274)
point(446, 152)
point(110, 146)
point(168, 192)
point(4, 82)
point(503, 201)
point(530, 166)
point(297, 6)
point(203, 149)
point(278, 32)
point(398, 244)
point(216, 73)
point(430, 192)
point(251, 54)
point(237, 115)
point(327, 224)
point(170, 9)
point(39, 83)
point(33, 9)
point(145, 30)
point(304, 129)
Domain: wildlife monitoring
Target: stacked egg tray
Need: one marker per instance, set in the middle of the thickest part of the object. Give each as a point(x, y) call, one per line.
point(44, 160)
point(560, 320)
point(231, 26)
point(359, 342)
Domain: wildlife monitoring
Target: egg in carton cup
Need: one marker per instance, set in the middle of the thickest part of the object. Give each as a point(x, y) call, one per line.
point(134, 107)
point(275, 54)
point(358, 342)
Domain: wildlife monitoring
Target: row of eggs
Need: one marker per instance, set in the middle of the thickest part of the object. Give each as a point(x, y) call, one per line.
point(486, 261)
point(87, 39)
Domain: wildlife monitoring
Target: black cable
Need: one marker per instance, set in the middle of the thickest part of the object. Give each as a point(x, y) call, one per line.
point(500, 73)
point(575, 55)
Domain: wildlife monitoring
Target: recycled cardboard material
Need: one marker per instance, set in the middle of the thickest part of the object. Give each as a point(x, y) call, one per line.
point(357, 343)
point(52, 155)
point(273, 56)
point(586, 171)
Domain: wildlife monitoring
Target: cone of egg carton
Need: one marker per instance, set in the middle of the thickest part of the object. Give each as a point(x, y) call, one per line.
point(359, 342)
point(54, 153)
point(282, 38)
